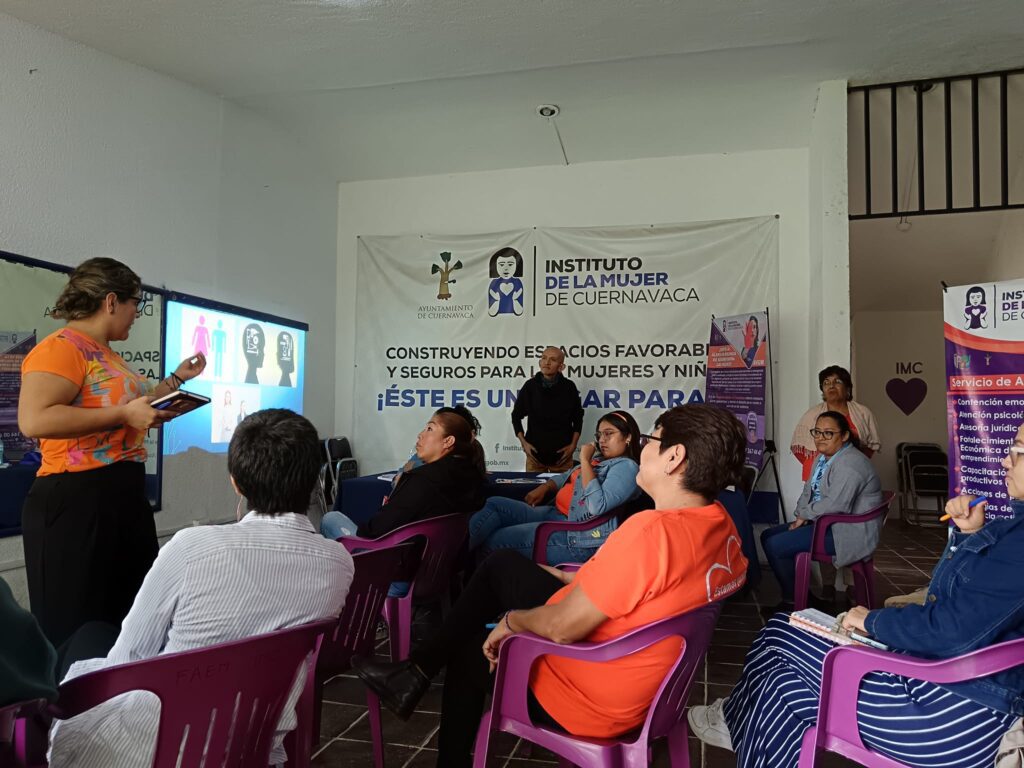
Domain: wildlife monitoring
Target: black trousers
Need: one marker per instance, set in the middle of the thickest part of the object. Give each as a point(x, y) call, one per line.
point(89, 540)
point(504, 581)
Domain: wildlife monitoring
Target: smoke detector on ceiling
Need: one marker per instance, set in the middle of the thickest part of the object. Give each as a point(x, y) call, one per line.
point(548, 110)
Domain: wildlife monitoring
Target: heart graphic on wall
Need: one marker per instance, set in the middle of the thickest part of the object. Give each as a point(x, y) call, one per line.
point(906, 394)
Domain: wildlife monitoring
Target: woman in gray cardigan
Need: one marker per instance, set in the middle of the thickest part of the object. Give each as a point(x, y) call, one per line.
point(842, 481)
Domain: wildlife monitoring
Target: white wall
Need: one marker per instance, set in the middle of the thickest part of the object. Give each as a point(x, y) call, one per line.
point(660, 190)
point(101, 157)
point(829, 341)
point(885, 339)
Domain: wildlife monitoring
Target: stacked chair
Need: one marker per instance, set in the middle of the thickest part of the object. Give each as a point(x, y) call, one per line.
point(923, 476)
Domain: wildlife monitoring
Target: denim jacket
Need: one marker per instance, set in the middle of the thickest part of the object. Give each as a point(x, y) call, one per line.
point(975, 599)
point(614, 485)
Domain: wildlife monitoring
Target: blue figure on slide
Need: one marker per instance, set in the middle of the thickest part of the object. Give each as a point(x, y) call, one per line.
point(220, 341)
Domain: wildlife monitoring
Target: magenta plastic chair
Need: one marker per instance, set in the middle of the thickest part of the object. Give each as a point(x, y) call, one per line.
point(665, 718)
point(443, 540)
point(223, 701)
point(15, 748)
point(356, 630)
point(863, 570)
point(845, 667)
point(545, 530)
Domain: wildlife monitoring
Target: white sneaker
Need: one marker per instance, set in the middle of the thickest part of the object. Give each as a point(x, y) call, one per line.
point(708, 725)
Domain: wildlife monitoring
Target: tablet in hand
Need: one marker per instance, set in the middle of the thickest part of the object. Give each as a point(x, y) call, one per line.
point(179, 402)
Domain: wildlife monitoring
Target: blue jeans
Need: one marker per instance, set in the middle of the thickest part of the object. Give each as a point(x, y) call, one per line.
point(512, 524)
point(335, 525)
point(781, 546)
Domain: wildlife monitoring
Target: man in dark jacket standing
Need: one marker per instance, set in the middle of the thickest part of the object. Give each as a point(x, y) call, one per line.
point(551, 405)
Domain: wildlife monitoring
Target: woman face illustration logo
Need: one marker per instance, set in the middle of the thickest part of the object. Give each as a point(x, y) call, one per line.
point(506, 266)
point(975, 298)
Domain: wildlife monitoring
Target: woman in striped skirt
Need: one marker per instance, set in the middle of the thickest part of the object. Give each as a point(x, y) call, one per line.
point(975, 599)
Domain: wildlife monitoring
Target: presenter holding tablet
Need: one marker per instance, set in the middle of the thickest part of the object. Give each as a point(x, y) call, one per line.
point(87, 526)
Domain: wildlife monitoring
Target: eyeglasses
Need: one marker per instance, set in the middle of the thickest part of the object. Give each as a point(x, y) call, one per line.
point(1014, 453)
point(645, 439)
point(140, 302)
point(607, 434)
point(833, 383)
point(825, 434)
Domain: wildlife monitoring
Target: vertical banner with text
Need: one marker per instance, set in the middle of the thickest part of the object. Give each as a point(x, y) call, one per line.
point(984, 330)
point(737, 380)
point(448, 319)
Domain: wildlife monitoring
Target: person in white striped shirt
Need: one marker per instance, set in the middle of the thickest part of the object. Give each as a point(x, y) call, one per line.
point(213, 584)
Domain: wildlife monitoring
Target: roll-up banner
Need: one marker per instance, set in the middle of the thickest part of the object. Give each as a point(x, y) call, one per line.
point(737, 380)
point(984, 330)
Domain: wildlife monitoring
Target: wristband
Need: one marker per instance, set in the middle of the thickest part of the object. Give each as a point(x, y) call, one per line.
point(507, 625)
point(176, 380)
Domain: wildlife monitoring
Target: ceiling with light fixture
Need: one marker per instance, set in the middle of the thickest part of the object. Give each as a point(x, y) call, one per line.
point(386, 88)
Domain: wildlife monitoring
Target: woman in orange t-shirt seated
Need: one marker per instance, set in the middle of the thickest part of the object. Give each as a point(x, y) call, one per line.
point(87, 526)
point(696, 450)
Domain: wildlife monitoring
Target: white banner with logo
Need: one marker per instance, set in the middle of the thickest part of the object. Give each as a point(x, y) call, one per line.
point(461, 319)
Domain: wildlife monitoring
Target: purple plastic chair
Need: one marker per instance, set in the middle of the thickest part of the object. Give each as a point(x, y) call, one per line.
point(356, 630)
point(224, 700)
point(863, 570)
point(443, 539)
point(15, 749)
point(665, 718)
point(545, 530)
point(846, 665)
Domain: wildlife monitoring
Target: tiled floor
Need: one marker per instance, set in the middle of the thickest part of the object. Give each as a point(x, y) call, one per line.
point(903, 563)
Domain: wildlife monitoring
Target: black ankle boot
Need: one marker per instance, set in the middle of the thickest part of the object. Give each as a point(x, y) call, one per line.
point(400, 684)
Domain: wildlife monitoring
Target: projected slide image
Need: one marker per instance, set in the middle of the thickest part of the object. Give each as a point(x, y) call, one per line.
point(251, 364)
point(231, 404)
point(268, 354)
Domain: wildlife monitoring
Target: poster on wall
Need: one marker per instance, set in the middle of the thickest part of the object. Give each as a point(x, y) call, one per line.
point(736, 379)
point(29, 289)
point(463, 319)
point(14, 345)
point(984, 330)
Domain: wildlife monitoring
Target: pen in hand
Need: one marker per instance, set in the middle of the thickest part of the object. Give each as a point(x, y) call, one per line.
point(972, 505)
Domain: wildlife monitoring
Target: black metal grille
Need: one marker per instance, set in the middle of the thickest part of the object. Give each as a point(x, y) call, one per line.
point(944, 145)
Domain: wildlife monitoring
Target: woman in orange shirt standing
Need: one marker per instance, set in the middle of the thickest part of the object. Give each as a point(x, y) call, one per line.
point(88, 529)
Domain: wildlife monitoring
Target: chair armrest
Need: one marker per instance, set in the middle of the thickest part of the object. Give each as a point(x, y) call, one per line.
point(93, 688)
point(357, 544)
point(544, 531)
point(846, 666)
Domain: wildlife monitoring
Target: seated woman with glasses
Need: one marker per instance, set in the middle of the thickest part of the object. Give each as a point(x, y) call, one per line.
point(974, 601)
point(842, 481)
point(604, 480)
point(836, 387)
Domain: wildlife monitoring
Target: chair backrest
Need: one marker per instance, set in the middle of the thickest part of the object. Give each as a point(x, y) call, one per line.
point(823, 523)
point(917, 456)
point(929, 479)
point(337, 448)
point(696, 628)
point(355, 632)
point(340, 463)
point(442, 539)
point(903, 448)
point(223, 701)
